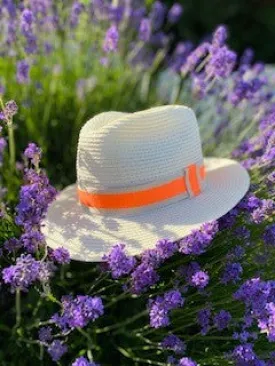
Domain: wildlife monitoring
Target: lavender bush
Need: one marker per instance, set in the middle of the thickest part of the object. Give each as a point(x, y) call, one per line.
point(208, 299)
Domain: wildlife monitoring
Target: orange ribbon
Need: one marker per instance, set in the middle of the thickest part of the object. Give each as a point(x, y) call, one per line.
point(147, 196)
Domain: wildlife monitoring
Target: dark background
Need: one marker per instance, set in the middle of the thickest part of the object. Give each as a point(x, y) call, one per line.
point(251, 23)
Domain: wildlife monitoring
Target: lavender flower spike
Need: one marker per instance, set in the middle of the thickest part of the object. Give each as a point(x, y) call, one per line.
point(185, 361)
point(57, 349)
point(118, 262)
point(111, 39)
point(82, 361)
point(145, 29)
point(175, 13)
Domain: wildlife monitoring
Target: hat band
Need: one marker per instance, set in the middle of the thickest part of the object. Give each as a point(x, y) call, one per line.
point(189, 183)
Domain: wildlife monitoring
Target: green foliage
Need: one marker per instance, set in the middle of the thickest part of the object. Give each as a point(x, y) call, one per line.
point(8, 229)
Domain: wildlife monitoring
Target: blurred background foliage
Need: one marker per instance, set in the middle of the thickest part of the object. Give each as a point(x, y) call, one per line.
point(251, 23)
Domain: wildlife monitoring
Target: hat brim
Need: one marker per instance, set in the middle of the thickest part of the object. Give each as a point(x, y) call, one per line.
point(89, 236)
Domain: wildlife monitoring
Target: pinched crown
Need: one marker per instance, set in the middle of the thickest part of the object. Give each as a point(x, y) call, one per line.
point(122, 151)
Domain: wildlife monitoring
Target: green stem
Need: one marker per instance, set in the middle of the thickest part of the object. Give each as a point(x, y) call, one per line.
point(11, 146)
point(176, 97)
point(52, 298)
point(126, 322)
point(18, 306)
point(89, 341)
point(143, 361)
point(118, 298)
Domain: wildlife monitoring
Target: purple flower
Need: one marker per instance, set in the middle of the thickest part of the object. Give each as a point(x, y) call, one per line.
point(189, 270)
point(78, 312)
point(159, 308)
point(250, 203)
point(245, 88)
point(228, 220)
point(3, 145)
point(34, 199)
point(11, 109)
point(242, 232)
point(199, 85)
point(232, 273)
point(171, 360)
point(11, 32)
point(32, 240)
point(45, 334)
point(26, 30)
point(175, 13)
point(77, 9)
point(244, 336)
point(151, 257)
point(200, 279)
point(266, 208)
point(166, 248)
point(271, 177)
point(40, 7)
point(12, 244)
point(197, 242)
point(269, 235)
point(116, 13)
point(48, 47)
point(195, 57)
point(27, 16)
point(46, 271)
point(23, 72)
point(143, 277)
point(203, 319)
point(267, 323)
point(159, 39)
point(157, 14)
point(247, 56)
point(158, 313)
point(145, 30)
point(185, 361)
point(254, 292)
point(180, 54)
point(269, 156)
point(82, 361)
point(23, 274)
point(118, 262)
point(34, 153)
point(173, 343)
point(10, 7)
point(244, 354)
point(173, 299)
point(2, 89)
point(57, 349)
point(221, 63)
point(219, 36)
point(60, 255)
point(222, 319)
point(111, 39)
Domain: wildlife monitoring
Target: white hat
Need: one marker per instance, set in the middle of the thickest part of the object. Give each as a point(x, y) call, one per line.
point(141, 177)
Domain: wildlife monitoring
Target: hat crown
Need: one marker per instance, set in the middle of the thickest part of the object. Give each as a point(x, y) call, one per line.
point(119, 151)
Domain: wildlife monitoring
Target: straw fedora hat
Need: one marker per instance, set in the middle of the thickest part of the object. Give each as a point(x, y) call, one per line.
point(141, 177)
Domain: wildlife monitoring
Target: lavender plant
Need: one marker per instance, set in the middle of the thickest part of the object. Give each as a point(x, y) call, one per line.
point(67, 61)
point(208, 299)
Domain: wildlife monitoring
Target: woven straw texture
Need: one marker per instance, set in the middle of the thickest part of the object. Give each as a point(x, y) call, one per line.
point(119, 152)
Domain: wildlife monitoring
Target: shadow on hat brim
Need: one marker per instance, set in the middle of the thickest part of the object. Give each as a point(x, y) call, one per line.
point(89, 236)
